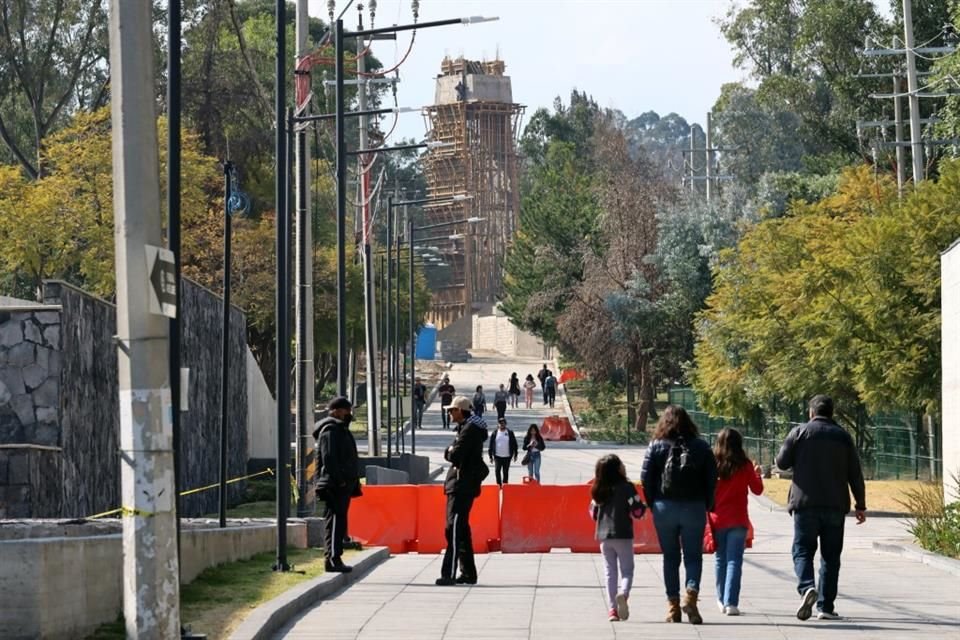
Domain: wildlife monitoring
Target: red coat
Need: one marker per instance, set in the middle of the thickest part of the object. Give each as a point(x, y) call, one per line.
point(730, 505)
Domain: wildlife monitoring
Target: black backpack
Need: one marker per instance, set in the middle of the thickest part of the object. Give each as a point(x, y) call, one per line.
point(680, 478)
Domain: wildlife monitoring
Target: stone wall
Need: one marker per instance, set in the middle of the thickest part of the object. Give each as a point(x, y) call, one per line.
point(59, 427)
point(950, 350)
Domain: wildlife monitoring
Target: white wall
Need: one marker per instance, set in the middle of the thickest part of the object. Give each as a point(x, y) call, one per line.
point(495, 332)
point(262, 414)
point(950, 359)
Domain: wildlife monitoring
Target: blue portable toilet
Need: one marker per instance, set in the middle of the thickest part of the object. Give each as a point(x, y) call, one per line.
point(427, 342)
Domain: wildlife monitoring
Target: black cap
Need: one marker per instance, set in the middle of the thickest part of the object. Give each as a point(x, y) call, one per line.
point(339, 402)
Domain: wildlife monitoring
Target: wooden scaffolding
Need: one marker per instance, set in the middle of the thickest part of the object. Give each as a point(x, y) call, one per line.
point(476, 119)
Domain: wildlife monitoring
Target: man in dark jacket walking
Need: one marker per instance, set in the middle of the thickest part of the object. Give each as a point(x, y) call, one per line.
point(462, 486)
point(825, 463)
point(503, 447)
point(338, 480)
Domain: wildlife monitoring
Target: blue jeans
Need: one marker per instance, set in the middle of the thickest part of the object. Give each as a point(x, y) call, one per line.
point(533, 465)
point(679, 525)
point(809, 525)
point(730, 545)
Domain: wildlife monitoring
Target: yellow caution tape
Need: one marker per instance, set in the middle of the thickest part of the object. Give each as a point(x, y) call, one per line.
point(127, 511)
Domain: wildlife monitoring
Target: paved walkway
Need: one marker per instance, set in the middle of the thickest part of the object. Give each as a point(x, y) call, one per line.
point(560, 595)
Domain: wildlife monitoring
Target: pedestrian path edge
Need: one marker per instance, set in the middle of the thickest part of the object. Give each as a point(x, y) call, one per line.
point(919, 554)
point(271, 616)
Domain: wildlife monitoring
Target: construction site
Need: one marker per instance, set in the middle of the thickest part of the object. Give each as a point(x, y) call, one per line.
point(476, 119)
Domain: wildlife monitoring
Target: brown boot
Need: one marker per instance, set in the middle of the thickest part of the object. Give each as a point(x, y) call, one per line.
point(690, 607)
point(673, 610)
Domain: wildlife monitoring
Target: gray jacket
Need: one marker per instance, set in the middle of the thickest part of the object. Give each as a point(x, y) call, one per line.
point(825, 463)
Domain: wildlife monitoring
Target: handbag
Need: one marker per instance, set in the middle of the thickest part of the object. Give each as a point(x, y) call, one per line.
point(709, 543)
point(525, 460)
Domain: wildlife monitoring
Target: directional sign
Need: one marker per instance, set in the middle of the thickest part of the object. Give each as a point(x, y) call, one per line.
point(161, 270)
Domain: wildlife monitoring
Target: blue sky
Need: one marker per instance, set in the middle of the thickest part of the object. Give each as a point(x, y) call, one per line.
point(633, 55)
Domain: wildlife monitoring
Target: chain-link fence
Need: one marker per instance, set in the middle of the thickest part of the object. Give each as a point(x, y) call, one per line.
point(893, 446)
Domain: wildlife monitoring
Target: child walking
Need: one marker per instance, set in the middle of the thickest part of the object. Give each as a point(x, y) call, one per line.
point(729, 519)
point(615, 502)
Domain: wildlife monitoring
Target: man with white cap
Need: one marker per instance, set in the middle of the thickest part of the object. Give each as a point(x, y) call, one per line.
point(462, 486)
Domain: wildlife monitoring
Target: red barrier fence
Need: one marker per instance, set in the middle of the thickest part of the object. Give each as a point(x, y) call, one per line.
point(533, 518)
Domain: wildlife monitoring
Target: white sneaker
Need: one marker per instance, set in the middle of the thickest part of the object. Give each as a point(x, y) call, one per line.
point(623, 609)
point(732, 610)
point(828, 615)
point(806, 604)
point(720, 607)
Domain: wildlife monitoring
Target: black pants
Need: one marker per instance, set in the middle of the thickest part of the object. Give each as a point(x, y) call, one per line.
point(444, 416)
point(335, 523)
point(504, 465)
point(551, 395)
point(459, 540)
point(501, 409)
point(418, 408)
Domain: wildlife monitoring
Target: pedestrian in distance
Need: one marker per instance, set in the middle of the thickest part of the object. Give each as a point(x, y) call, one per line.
point(679, 479)
point(533, 445)
point(419, 402)
point(550, 388)
point(479, 401)
point(446, 391)
point(528, 386)
point(729, 520)
point(500, 402)
point(338, 480)
point(613, 506)
point(826, 469)
point(514, 390)
point(542, 377)
point(503, 448)
point(462, 486)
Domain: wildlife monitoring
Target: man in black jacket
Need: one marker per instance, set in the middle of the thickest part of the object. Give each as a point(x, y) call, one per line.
point(338, 480)
point(462, 486)
point(825, 463)
point(503, 447)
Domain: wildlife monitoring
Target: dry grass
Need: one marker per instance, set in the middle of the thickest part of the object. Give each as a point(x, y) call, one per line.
point(882, 495)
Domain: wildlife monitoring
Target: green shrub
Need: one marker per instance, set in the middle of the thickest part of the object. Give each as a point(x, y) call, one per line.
point(935, 527)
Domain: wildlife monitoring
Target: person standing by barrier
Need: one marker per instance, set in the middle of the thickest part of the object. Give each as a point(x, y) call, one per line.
point(514, 390)
point(729, 520)
point(550, 388)
point(542, 377)
point(503, 448)
point(533, 445)
point(825, 463)
point(679, 478)
point(446, 391)
point(338, 480)
point(614, 502)
point(419, 402)
point(479, 401)
point(528, 386)
point(462, 486)
point(500, 402)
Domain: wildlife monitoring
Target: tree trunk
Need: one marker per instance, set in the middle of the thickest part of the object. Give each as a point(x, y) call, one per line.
point(646, 394)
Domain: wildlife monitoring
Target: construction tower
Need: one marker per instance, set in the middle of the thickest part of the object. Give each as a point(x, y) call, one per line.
point(475, 117)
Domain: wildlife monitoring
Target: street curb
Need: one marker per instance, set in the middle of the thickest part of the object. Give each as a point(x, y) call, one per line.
point(913, 552)
point(770, 505)
point(271, 616)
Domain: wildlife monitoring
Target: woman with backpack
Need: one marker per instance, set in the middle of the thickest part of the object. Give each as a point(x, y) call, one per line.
point(729, 520)
point(679, 477)
point(613, 506)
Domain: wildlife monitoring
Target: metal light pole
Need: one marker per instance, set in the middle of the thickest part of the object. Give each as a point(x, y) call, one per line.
point(389, 335)
point(225, 352)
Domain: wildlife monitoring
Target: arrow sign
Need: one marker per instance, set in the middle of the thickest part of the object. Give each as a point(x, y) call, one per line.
point(161, 271)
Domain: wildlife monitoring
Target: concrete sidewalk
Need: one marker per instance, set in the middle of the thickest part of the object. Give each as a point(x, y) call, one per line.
point(560, 595)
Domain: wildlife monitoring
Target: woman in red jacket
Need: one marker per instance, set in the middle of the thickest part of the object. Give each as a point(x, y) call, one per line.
point(729, 520)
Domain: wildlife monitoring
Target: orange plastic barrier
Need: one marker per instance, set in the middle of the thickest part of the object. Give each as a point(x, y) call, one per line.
point(385, 515)
point(431, 515)
point(536, 518)
point(644, 534)
point(557, 428)
point(570, 374)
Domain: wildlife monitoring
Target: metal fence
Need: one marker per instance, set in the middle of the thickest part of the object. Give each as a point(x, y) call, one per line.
point(894, 446)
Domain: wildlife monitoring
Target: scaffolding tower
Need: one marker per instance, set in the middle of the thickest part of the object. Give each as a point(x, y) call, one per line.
point(475, 116)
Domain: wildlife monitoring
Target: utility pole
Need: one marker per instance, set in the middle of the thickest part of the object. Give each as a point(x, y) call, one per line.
point(341, 212)
point(151, 588)
point(916, 143)
point(304, 295)
point(370, 309)
point(709, 158)
point(898, 132)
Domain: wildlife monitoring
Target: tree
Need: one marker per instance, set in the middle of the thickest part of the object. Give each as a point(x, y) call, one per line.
point(53, 61)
